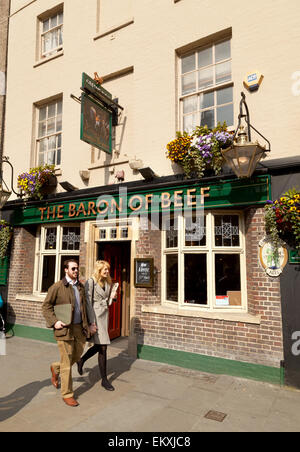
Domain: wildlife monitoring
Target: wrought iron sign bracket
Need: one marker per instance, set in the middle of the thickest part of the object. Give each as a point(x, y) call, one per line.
point(110, 104)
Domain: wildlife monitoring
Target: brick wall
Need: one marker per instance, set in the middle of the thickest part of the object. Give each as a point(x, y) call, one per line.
point(21, 273)
point(254, 343)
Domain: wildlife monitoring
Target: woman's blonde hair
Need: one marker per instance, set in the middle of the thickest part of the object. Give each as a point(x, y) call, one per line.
point(99, 265)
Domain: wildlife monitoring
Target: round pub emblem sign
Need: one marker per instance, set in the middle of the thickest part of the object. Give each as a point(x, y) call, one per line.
point(272, 264)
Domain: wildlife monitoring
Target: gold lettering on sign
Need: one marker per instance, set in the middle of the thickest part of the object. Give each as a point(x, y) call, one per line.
point(42, 209)
point(165, 200)
point(203, 194)
point(72, 210)
point(51, 213)
point(190, 197)
point(178, 198)
point(81, 209)
point(91, 208)
point(60, 213)
point(139, 198)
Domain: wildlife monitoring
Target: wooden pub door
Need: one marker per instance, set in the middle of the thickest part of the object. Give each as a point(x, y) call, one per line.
point(118, 256)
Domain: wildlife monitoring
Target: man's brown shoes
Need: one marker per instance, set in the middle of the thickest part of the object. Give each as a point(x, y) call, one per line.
point(71, 402)
point(54, 378)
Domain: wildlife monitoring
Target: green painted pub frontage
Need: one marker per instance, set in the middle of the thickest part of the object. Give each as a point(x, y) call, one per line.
point(194, 291)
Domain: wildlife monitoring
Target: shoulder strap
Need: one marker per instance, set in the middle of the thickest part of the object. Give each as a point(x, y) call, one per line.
point(93, 290)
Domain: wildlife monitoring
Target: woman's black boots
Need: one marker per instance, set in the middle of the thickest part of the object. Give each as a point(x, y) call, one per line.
point(102, 360)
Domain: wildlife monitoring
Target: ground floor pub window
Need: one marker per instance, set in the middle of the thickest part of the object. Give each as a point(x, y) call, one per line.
point(204, 260)
point(55, 244)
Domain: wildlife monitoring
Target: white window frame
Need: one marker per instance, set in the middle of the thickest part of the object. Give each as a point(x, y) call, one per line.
point(58, 12)
point(48, 136)
point(214, 88)
point(40, 252)
point(210, 250)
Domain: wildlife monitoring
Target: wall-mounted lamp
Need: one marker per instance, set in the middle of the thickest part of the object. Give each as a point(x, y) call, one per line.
point(4, 190)
point(243, 155)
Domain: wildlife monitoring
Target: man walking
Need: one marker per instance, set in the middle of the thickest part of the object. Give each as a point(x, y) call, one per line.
point(70, 338)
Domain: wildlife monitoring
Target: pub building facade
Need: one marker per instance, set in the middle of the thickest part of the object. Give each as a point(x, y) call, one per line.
point(193, 290)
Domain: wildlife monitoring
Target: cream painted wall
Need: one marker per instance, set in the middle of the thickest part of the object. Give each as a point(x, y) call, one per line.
point(265, 37)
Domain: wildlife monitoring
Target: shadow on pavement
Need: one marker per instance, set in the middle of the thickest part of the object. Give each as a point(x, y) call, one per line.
point(17, 400)
point(115, 367)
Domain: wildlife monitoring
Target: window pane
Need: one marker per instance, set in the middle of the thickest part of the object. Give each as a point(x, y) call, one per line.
point(50, 126)
point(224, 96)
point(53, 21)
point(207, 100)
point(225, 114)
point(50, 243)
point(58, 123)
point(190, 104)
point(171, 234)
point(58, 156)
point(205, 77)
point(172, 277)
point(42, 129)
point(208, 118)
point(51, 110)
point(60, 18)
point(58, 140)
point(51, 158)
point(189, 83)
point(190, 122)
point(46, 25)
point(42, 113)
point(223, 72)
point(228, 280)
point(59, 108)
point(41, 159)
point(188, 64)
point(195, 279)
point(71, 238)
point(205, 57)
point(227, 230)
point(195, 231)
point(223, 51)
point(48, 273)
point(60, 36)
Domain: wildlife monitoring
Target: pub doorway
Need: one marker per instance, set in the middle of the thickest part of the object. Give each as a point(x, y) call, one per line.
point(118, 256)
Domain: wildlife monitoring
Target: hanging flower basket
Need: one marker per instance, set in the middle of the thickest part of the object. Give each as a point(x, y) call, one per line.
point(201, 150)
point(6, 232)
point(282, 219)
point(38, 181)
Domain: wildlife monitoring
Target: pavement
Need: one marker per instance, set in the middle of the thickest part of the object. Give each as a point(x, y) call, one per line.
point(148, 397)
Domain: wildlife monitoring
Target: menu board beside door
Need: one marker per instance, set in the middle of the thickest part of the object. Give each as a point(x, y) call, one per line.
point(143, 272)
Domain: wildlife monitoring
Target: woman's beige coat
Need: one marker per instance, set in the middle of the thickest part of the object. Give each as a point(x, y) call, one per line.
point(97, 310)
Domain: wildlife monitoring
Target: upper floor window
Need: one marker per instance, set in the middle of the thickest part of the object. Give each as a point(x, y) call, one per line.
point(206, 91)
point(49, 134)
point(51, 33)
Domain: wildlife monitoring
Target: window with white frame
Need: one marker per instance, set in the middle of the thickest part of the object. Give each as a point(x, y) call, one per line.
point(49, 133)
point(206, 90)
point(51, 28)
point(55, 244)
point(204, 261)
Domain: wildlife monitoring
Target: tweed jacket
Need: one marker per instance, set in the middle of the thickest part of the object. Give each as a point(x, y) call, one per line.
point(63, 293)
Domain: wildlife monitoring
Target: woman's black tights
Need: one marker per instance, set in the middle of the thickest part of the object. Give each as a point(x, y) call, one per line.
point(102, 362)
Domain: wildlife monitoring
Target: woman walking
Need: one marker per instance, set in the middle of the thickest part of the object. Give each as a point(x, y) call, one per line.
point(97, 291)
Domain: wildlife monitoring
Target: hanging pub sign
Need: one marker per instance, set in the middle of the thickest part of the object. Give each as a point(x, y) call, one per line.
point(99, 113)
point(96, 124)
